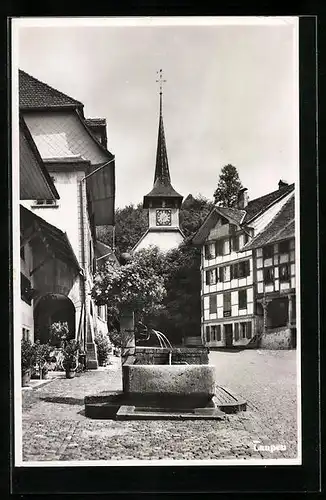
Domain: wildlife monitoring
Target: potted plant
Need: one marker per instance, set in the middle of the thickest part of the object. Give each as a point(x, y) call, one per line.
point(59, 333)
point(70, 358)
point(27, 356)
point(40, 359)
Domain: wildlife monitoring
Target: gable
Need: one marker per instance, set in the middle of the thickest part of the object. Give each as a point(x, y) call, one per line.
point(61, 134)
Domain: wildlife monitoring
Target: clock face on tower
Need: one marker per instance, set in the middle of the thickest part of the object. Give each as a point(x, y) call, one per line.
point(163, 217)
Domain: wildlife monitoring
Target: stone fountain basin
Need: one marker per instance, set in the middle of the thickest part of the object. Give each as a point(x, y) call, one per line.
point(163, 392)
point(174, 381)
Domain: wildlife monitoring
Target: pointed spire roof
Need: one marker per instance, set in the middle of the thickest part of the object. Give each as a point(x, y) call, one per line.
point(162, 181)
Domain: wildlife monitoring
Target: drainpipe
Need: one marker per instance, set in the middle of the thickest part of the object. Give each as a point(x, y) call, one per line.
point(83, 200)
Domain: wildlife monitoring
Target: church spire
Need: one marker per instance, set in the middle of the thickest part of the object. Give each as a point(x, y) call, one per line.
point(162, 165)
point(162, 187)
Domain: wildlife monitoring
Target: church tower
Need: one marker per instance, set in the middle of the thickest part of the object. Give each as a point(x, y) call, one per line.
point(162, 202)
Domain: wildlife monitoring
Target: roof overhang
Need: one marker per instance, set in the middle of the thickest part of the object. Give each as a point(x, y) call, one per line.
point(35, 181)
point(55, 240)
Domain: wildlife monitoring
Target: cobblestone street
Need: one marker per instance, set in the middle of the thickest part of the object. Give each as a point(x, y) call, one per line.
point(55, 428)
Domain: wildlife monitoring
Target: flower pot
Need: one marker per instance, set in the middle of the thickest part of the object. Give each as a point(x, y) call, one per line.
point(26, 377)
point(70, 373)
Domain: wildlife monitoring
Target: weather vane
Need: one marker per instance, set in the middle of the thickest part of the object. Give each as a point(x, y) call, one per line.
point(160, 80)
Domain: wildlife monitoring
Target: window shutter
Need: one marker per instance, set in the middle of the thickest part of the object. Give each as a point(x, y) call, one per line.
point(249, 330)
point(212, 304)
point(247, 268)
point(231, 271)
point(236, 331)
point(218, 332)
point(207, 278)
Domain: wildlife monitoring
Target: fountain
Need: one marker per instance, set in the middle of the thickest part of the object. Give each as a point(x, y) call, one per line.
point(162, 382)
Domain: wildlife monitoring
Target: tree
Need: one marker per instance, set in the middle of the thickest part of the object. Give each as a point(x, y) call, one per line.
point(193, 212)
point(131, 223)
point(138, 285)
point(229, 185)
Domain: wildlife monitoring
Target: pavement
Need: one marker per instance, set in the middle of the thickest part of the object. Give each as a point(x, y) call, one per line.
point(55, 427)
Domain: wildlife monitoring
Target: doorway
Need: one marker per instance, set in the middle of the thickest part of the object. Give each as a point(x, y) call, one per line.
point(228, 334)
point(53, 308)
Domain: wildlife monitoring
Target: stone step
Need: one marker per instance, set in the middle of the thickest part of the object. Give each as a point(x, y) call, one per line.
point(227, 401)
point(139, 413)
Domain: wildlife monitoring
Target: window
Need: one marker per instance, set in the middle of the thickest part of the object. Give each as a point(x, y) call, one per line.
point(210, 251)
point(212, 304)
point(227, 304)
point(45, 203)
point(284, 272)
point(242, 299)
point(219, 247)
point(208, 334)
point(246, 238)
point(246, 330)
point(240, 269)
point(268, 252)
point(234, 242)
point(236, 331)
point(244, 268)
point(226, 273)
point(25, 289)
point(211, 276)
point(22, 253)
point(226, 248)
point(25, 334)
point(268, 275)
point(284, 247)
point(213, 332)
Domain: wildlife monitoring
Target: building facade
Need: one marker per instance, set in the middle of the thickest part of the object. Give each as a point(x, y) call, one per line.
point(82, 171)
point(275, 280)
point(228, 268)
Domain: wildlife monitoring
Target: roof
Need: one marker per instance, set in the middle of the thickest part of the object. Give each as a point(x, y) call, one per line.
point(162, 181)
point(241, 217)
point(34, 94)
point(281, 227)
point(35, 181)
point(258, 205)
point(57, 240)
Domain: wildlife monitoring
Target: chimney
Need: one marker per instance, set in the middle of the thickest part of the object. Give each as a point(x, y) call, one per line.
point(282, 184)
point(242, 198)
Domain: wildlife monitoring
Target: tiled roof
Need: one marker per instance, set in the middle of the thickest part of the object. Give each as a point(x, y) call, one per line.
point(240, 217)
point(281, 227)
point(260, 204)
point(235, 214)
point(34, 94)
point(95, 122)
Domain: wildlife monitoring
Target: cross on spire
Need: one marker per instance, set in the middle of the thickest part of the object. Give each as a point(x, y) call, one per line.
point(160, 80)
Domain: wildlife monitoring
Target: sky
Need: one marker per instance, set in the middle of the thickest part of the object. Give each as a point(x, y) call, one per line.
point(230, 97)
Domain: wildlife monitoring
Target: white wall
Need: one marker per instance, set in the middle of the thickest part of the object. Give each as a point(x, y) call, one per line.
point(65, 215)
point(164, 240)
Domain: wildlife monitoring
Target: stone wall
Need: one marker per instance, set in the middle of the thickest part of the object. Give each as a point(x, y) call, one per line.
point(278, 338)
point(160, 356)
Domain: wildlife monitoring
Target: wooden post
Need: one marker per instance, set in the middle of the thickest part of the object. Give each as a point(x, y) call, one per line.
point(127, 329)
point(290, 309)
point(264, 303)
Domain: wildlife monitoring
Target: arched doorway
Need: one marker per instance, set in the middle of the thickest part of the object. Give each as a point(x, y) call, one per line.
point(52, 308)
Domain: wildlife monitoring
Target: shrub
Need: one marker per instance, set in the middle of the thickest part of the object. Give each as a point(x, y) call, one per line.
point(59, 333)
point(104, 348)
point(27, 354)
